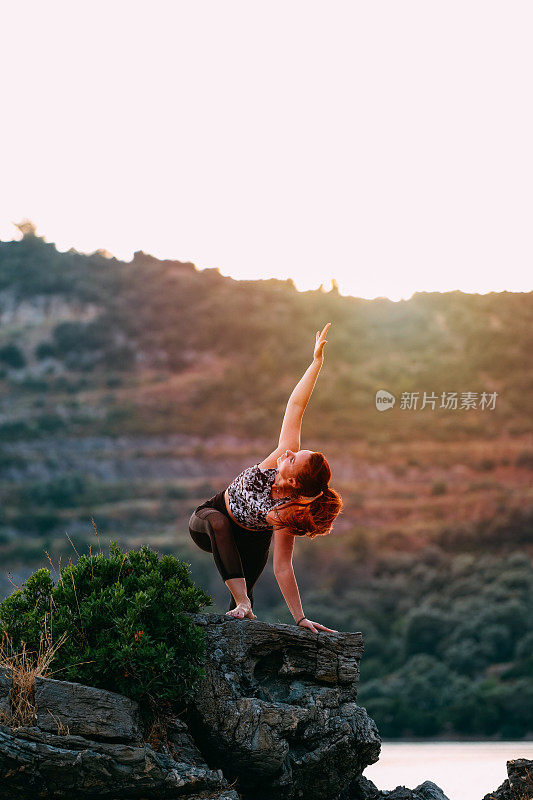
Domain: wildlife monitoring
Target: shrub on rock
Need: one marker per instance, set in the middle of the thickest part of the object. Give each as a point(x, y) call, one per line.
point(125, 619)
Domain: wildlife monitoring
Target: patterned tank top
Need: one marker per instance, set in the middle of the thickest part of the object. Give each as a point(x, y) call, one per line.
point(249, 497)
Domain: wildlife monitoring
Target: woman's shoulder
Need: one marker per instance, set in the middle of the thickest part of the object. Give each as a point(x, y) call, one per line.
point(255, 469)
point(259, 478)
point(267, 471)
point(255, 477)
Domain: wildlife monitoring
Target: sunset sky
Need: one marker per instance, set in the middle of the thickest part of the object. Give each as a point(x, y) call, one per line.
point(387, 145)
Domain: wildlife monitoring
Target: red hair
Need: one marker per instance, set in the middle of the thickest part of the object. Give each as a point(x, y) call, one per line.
point(315, 518)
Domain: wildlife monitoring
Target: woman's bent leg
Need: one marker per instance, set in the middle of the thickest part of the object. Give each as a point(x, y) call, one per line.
point(203, 540)
point(210, 523)
point(253, 549)
point(212, 531)
point(237, 587)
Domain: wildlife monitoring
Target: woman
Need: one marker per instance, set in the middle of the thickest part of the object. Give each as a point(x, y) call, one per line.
point(286, 495)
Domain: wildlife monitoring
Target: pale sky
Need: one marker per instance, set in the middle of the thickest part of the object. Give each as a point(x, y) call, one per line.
point(385, 144)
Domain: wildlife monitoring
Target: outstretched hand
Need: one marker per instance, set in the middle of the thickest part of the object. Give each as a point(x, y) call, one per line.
point(315, 627)
point(320, 341)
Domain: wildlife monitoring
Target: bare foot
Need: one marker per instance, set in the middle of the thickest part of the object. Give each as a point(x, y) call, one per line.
point(241, 610)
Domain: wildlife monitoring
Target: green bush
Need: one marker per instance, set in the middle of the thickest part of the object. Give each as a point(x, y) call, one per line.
point(33, 384)
point(70, 336)
point(119, 357)
point(36, 520)
point(424, 630)
point(45, 350)
point(16, 429)
point(64, 491)
point(412, 702)
point(125, 617)
point(12, 355)
point(49, 423)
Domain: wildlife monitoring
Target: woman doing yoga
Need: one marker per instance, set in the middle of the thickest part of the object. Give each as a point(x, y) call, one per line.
point(286, 495)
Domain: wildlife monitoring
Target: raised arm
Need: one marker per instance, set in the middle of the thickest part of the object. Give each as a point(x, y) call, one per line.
point(289, 437)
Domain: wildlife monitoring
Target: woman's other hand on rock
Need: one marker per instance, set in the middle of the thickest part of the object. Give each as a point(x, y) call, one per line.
point(315, 627)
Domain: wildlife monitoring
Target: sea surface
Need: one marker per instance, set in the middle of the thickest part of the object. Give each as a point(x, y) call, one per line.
point(463, 770)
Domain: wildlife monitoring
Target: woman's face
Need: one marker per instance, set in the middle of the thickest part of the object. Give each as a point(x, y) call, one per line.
point(291, 462)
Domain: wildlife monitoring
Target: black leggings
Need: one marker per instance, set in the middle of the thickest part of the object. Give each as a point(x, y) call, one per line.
point(238, 552)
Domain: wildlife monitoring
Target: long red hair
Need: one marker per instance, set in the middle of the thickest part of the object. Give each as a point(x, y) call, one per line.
point(315, 518)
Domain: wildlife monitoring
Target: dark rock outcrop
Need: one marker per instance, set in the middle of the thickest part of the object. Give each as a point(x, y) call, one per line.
point(363, 789)
point(275, 718)
point(88, 741)
point(86, 711)
point(38, 764)
point(519, 782)
point(277, 709)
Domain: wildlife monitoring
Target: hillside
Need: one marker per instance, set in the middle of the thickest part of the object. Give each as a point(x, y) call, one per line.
point(175, 339)
point(130, 392)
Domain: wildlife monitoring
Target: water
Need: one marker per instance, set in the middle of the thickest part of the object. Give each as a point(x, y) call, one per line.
point(463, 770)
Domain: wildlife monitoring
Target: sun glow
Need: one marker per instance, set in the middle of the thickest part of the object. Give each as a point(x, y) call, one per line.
point(384, 146)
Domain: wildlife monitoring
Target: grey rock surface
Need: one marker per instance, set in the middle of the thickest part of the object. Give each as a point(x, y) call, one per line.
point(363, 789)
point(277, 709)
point(275, 718)
point(429, 791)
point(94, 713)
point(34, 763)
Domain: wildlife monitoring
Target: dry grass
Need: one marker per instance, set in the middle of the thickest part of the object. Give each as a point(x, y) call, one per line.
point(62, 728)
point(157, 734)
point(25, 666)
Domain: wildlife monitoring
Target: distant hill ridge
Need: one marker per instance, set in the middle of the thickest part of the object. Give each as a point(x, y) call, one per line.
point(246, 342)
